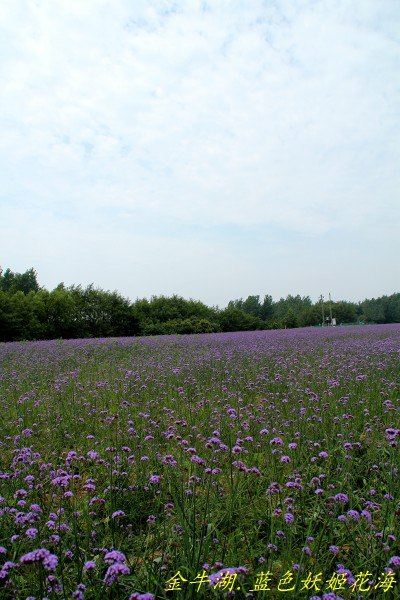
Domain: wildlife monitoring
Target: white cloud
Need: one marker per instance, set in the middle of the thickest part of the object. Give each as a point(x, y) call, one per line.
point(253, 115)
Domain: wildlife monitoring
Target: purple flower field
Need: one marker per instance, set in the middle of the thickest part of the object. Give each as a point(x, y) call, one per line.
point(125, 461)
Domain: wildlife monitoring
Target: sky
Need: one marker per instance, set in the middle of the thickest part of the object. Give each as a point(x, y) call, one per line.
point(213, 149)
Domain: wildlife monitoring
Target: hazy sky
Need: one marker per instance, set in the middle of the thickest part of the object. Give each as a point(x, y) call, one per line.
point(210, 148)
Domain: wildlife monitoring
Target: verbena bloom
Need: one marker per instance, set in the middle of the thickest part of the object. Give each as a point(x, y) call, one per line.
point(114, 556)
point(78, 594)
point(5, 570)
point(117, 513)
point(31, 533)
point(367, 515)
point(276, 441)
point(214, 578)
point(341, 498)
point(395, 561)
point(354, 514)
point(48, 560)
point(349, 575)
point(289, 518)
point(114, 571)
point(92, 454)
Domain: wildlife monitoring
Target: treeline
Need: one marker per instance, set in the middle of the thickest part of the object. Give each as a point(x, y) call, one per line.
point(30, 312)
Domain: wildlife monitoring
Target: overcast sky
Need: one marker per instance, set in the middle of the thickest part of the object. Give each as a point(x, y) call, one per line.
point(214, 149)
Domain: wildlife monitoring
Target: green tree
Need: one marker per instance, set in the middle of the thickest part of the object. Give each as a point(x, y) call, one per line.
point(19, 282)
point(267, 308)
point(234, 319)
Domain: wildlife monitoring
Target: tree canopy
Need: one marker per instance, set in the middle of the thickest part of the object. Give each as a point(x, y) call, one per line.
point(30, 312)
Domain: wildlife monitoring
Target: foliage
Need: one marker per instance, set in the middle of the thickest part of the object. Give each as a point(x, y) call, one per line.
point(18, 282)
point(30, 312)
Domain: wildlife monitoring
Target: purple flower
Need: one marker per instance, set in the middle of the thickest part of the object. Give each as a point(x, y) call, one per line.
point(114, 571)
point(334, 549)
point(31, 533)
point(48, 560)
point(78, 594)
point(276, 441)
point(114, 556)
point(392, 433)
point(5, 570)
point(215, 577)
point(367, 515)
point(349, 575)
point(169, 460)
point(395, 561)
point(92, 454)
point(89, 565)
point(137, 596)
point(117, 513)
point(341, 498)
point(289, 518)
point(353, 514)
